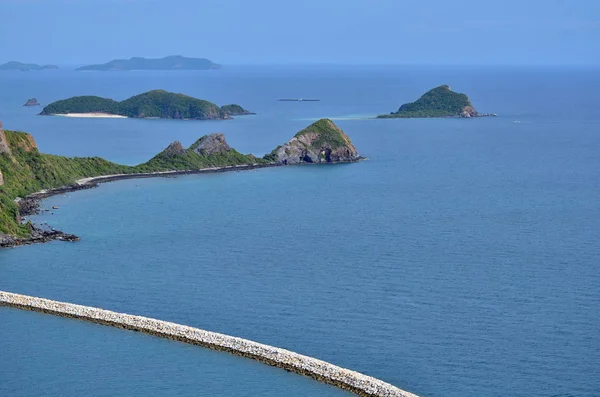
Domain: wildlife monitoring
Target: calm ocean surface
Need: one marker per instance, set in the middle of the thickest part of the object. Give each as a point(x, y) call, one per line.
point(461, 259)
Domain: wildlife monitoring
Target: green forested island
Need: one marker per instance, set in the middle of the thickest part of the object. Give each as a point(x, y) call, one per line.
point(320, 142)
point(14, 65)
point(438, 102)
point(155, 104)
point(24, 170)
point(174, 62)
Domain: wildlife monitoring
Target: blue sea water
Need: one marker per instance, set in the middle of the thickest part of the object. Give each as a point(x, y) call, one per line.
point(461, 259)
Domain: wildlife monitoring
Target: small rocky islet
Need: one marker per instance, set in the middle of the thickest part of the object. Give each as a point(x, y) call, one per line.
point(31, 102)
point(26, 175)
point(438, 102)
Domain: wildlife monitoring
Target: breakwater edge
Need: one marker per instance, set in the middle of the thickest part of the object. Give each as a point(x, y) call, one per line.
point(343, 378)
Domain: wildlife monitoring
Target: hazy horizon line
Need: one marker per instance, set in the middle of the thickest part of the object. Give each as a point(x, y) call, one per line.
point(315, 63)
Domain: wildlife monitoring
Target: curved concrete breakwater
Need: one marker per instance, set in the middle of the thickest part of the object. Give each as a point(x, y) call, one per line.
point(358, 383)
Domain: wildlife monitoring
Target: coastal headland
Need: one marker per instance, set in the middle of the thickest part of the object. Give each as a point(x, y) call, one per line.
point(323, 371)
point(27, 176)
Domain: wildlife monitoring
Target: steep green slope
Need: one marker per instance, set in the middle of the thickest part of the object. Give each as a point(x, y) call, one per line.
point(25, 170)
point(156, 103)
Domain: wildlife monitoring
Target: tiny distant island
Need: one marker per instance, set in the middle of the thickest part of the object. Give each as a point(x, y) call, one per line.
point(31, 102)
point(152, 104)
point(25, 171)
point(174, 62)
point(438, 102)
point(14, 65)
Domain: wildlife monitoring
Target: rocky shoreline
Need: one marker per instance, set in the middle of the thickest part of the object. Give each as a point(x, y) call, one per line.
point(38, 235)
point(323, 371)
point(30, 205)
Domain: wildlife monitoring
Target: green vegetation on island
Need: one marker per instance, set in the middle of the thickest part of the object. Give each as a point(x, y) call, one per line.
point(24, 170)
point(320, 142)
point(156, 104)
point(14, 65)
point(207, 152)
point(174, 62)
point(235, 110)
point(438, 102)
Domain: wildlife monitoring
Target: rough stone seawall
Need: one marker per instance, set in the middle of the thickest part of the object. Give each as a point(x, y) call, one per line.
point(355, 382)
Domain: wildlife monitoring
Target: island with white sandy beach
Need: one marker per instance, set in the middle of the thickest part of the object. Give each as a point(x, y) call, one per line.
point(152, 104)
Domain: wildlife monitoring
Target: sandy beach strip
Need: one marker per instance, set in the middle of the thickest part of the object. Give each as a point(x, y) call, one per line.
point(113, 177)
point(93, 115)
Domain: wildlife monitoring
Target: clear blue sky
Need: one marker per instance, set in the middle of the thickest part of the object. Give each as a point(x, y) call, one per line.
point(304, 31)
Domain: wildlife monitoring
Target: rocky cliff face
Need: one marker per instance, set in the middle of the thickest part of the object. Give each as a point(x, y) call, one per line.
point(209, 144)
point(3, 149)
point(321, 142)
point(468, 111)
point(174, 149)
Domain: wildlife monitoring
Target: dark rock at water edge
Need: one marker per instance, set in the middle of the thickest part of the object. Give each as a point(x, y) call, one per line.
point(38, 235)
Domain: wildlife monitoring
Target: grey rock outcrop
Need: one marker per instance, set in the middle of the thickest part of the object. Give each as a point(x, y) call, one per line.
point(174, 149)
point(209, 144)
point(4, 148)
point(321, 142)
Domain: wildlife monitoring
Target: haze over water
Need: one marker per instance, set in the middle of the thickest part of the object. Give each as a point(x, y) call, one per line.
point(461, 259)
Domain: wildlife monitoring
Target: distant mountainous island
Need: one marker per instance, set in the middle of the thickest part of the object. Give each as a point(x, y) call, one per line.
point(152, 104)
point(14, 65)
point(438, 102)
point(174, 62)
point(24, 170)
